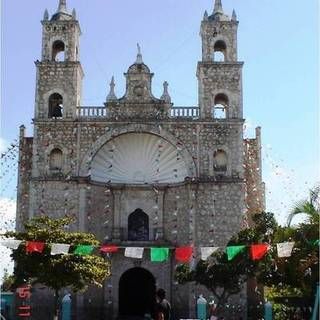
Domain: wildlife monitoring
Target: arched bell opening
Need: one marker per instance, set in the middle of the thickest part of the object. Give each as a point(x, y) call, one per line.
point(220, 51)
point(55, 106)
point(58, 51)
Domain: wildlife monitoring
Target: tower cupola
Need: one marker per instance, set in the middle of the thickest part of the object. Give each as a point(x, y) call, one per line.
point(219, 34)
point(61, 34)
point(218, 14)
point(62, 12)
point(218, 7)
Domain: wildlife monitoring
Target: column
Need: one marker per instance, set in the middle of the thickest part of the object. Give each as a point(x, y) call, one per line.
point(116, 232)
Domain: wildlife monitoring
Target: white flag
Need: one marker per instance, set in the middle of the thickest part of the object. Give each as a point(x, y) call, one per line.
point(10, 243)
point(206, 252)
point(284, 249)
point(59, 248)
point(134, 252)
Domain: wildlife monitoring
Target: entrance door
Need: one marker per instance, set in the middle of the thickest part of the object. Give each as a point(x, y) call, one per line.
point(137, 291)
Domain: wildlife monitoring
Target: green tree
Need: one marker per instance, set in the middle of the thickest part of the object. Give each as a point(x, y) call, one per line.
point(225, 278)
point(7, 281)
point(58, 271)
point(294, 275)
point(301, 269)
point(309, 207)
point(297, 275)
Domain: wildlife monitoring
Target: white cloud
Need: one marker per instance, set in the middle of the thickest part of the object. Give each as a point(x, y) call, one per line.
point(7, 214)
point(3, 145)
point(7, 223)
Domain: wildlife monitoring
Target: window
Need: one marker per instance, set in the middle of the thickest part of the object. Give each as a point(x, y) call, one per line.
point(58, 51)
point(221, 102)
point(220, 161)
point(55, 161)
point(220, 51)
point(138, 226)
point(55, 106)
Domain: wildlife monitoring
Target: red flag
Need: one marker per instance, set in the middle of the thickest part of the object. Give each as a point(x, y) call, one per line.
point(109, 248)
point(34, 246)
point(258, 251)
point(183, 254)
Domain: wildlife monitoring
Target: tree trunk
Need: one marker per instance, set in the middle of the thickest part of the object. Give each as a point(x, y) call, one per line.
point(56, 305)
point(220, 307)
point(222, 300)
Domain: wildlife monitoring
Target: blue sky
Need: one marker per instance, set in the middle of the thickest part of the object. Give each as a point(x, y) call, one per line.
point(277, 40)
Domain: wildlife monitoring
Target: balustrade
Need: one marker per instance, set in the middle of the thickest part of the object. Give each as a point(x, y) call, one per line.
point(92, 112)
point(185, 112)
point(101, 112)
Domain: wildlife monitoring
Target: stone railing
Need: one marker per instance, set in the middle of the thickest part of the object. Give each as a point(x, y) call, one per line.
point(185, 112)
point(92, 112)
point(101, 112)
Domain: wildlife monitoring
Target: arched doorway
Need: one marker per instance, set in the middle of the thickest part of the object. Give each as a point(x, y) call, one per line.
point(137, 290)
point(138, 226)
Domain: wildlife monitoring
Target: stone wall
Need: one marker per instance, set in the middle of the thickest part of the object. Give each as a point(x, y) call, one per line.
point(224, 78)
point(24, 176)
point(66, 31)
point(79, 142)
point(213, 31)
point(205, 210)
point(63, 78)
point(255, 188)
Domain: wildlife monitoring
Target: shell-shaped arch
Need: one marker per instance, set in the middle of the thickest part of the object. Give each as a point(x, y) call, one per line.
point(138, 158)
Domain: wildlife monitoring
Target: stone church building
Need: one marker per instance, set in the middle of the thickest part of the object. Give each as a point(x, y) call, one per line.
point(138, 171)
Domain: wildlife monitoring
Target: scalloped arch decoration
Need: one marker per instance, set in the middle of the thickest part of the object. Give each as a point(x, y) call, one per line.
point(138, 158)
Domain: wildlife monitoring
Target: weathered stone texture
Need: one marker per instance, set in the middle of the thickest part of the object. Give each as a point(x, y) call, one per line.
point(205, 209)
point(63, 78)
point(24, 175)
point(255, 188)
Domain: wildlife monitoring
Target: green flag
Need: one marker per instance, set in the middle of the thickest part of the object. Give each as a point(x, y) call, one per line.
point(159, 254)
point(232, 251)
point(316, 242)
point(83, 250)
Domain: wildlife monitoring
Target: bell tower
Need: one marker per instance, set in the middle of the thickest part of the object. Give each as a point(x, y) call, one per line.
point(59, 73)
point(219, 72)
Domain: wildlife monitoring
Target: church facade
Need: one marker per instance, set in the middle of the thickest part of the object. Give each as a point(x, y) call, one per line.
point(138, 171)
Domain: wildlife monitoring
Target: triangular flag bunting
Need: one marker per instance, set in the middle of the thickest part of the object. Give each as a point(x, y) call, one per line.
point(10, 243)
point(233, 251)
point(83, 250)
point(111, 248)
point(206, 252)
point(134, 252)
point(284, 249)
point(59, 248)
point(159, 254)
point(34, 246)
point(258, 251)
point(183, 254)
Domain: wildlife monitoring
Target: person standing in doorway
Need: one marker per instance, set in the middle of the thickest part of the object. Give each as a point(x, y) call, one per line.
point(163, 305)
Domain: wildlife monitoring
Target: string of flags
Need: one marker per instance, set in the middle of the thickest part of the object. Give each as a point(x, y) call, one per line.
point(157, 254)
